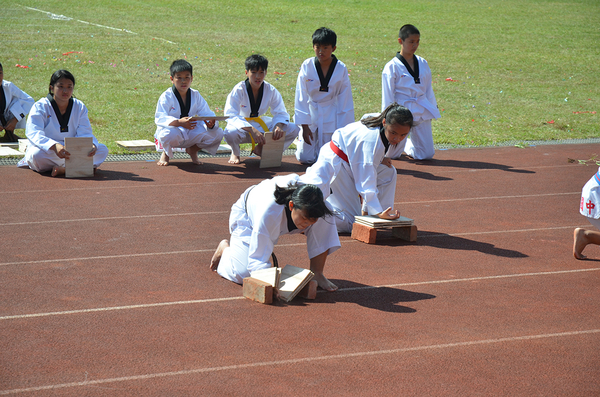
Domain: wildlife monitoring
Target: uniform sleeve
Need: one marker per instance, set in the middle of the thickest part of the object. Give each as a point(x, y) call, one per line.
point(164, 115)
point(36, 124)
point(233, 106)
point(278, 110)
point(388, 84)
point(365, 176)
point(201, 108)
point(20, 103)
point(429, 92)
point(345, 104)
point(301, 106)
point(264, 232)
point(83, 127)
point(364, 162)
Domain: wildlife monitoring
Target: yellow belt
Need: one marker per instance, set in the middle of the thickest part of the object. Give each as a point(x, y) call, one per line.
point(261, 123)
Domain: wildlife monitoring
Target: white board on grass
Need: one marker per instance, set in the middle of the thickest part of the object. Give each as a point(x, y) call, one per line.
point(137, 145)
point(79, 164)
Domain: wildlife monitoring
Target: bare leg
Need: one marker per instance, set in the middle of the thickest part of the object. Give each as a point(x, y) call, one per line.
point(234, 159)
point(258, 149)
point(581, 238)
point(316, 266)
point(193, 152)
point(214, 262)
point(58, 171)
point(164, 159)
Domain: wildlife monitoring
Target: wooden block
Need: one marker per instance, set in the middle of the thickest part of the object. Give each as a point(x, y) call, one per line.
point(309, 291)
point(364, 233)
point(142, 144)
point(407, 233)
point(79, 164)
point(258, 290)
point(272, 151)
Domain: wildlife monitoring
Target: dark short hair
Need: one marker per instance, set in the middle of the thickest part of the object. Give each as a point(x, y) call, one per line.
point(256, 62)
point(324, 36)
point(60, 74)
point(408, 30)
point(181, 65)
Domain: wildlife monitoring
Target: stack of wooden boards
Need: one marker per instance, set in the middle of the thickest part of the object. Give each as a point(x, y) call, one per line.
point(365, 228)
point(284, 283)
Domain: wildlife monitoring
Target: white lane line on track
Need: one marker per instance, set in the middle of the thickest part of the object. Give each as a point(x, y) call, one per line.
point(128, 187)
point(488, 198)
point(348, 241)
point(66, 18)
point(303, 360)
point(221, 212)
point(114, 218)
point(342, 290)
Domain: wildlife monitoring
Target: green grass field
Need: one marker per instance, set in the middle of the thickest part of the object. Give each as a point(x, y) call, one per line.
point(520, 70)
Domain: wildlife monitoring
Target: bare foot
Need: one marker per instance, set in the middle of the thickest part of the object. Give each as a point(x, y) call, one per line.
point(324, 283)
point(579, 243)
point(310, 290)
point(164, 159)
point(234, 159)
point(193, 152)
point(214, 262)
point(58, 171)
point(258, 149)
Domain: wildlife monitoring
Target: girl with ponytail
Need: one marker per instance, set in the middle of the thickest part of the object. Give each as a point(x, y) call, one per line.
point(353, 171)
point(268, 210)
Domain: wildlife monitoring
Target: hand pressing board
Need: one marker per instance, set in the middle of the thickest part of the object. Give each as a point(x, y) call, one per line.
point(79, 164)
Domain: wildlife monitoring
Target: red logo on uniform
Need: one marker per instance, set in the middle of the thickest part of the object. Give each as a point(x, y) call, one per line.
point(590, 206)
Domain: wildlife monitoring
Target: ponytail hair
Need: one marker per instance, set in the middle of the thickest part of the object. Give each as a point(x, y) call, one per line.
point(393, 114)
point(307, 198)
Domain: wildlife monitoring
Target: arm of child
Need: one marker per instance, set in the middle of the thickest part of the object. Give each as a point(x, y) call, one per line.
point(388, 84)
point(259, 137)
point(185, 122)
point(389, 214)
point(278, 131)
point(36, 124)
point(307, 134)
point(345, 103)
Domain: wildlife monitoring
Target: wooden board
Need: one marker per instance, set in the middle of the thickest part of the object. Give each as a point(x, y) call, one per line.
point(291, 281)
point(376, 222)
point(270, 275)
point(272, 151)
point(142, 144)
point(223, 148)
point(79, 164)
point(8, 151)
point(208, 118)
